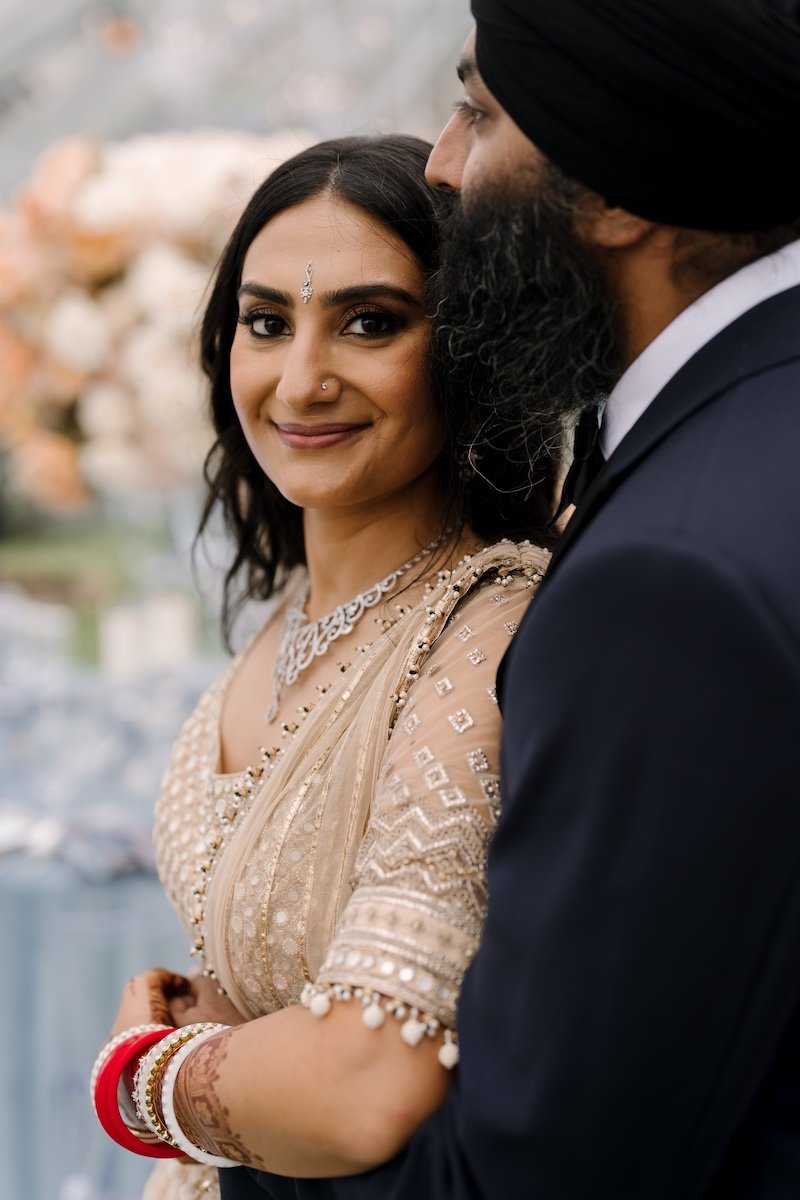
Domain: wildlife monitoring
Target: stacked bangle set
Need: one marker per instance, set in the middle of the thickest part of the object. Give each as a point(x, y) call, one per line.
point(144, 1121)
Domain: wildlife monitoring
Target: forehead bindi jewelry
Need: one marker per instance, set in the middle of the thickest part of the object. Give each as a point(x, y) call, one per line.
point(307, 290)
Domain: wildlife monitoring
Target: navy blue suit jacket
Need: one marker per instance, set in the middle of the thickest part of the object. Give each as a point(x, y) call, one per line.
point(630, 1028)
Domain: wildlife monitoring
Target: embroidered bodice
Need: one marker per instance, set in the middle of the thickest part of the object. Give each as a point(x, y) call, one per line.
point(364, 866)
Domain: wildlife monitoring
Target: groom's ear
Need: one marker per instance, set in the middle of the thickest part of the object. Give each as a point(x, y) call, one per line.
point(609, 227)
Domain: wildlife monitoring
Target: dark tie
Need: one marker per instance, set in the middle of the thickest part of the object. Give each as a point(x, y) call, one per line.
point(587, 460)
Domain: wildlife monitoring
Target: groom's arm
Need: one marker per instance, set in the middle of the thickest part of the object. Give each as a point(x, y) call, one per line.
point(639, 965)
point(640, 955)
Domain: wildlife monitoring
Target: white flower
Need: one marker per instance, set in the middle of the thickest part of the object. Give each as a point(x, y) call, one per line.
point(114, 465)
point(75, 331)
point(167, 286)
point(150, 357)
point(107, 410)
point(184, 186)
point(107, 203)
point(120, 311)
point(171, 400)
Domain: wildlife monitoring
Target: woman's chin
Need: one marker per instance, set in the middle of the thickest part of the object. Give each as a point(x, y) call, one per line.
point(322, 499)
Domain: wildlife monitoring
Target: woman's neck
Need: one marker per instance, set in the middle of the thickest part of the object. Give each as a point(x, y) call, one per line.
point(347, 551)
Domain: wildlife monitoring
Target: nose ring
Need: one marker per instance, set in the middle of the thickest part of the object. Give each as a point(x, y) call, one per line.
point(324, 387)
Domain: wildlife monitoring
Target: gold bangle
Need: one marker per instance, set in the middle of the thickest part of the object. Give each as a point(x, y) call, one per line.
point(147, 1088)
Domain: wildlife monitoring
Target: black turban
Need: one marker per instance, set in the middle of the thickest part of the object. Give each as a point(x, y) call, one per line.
point(685, 112)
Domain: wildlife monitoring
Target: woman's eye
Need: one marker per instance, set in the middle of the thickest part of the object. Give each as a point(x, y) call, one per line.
point(264, 325)
point(372, 324)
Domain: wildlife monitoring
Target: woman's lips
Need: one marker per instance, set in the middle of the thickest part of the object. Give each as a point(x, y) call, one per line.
point(315, 437)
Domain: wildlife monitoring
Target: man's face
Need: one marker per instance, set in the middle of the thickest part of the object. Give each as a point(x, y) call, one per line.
point(527, 323)
point(480, 143)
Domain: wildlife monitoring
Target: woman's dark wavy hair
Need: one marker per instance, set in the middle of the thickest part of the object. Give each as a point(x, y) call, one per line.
point(383, 176)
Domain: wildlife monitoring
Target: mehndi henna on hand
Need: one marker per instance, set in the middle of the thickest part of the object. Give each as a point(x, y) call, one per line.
point(159, 1008)
point(201, 1114)
point(160, 987)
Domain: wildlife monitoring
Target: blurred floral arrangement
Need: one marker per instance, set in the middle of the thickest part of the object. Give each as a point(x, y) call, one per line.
point(105, 257)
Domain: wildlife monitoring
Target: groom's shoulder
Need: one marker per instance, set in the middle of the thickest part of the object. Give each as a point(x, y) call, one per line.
point(721, 488)
point(729, 474)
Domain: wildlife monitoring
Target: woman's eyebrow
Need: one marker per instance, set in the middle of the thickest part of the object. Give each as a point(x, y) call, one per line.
point(332, 299)
point(367, 291)
point(260, 292)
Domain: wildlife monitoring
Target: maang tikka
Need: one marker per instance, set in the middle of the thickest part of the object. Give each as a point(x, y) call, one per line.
point(307, 290)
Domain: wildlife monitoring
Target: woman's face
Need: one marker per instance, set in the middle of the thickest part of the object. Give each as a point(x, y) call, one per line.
point(372, 432)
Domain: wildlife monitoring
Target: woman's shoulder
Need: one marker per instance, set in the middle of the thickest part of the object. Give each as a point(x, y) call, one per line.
point(472, 613)
point(503, 569)
point(495, 584)
point(517, 556)
point(492, 574)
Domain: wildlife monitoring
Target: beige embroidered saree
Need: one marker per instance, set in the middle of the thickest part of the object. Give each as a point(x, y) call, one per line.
point(359, 856)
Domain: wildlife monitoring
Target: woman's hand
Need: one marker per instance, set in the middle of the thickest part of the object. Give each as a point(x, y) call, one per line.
point(146, 999)
point(203, 1002)
point(160, 997)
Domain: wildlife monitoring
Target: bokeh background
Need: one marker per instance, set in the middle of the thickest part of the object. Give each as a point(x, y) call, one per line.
point(131, 135)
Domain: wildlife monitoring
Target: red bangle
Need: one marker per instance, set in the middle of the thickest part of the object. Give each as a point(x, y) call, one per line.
point(105, 1096)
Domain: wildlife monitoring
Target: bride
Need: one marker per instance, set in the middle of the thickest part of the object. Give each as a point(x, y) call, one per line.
point(323, 824)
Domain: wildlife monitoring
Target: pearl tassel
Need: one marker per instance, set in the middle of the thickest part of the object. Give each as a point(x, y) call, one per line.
point(416, 1026)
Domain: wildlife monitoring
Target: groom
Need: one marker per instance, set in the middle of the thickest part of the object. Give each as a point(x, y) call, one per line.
point(630, 1029)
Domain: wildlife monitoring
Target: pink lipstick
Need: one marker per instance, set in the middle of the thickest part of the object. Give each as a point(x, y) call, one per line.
point(315, 437)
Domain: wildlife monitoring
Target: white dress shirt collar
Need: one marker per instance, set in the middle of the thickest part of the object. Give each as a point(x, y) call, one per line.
point(691, 330)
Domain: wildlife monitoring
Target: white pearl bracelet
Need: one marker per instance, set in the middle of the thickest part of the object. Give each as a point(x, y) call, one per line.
point(168, 1106)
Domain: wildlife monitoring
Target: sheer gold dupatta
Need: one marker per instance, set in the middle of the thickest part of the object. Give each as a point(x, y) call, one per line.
point(315, 803)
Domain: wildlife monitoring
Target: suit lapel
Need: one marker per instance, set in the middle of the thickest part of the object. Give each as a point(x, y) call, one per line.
point(766, 336)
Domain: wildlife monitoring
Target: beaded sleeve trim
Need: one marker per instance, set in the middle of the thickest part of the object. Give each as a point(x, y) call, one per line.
point(416, 1025)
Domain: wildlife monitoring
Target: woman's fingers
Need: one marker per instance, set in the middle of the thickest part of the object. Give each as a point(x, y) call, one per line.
point(206, 1003)
point(160, 986)
point(146, 998)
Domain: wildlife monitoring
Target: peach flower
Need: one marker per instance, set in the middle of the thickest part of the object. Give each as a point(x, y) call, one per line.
point(45, 469)
point(21, 261)
point(17, 368)
point(47, 200)
point(94, 256)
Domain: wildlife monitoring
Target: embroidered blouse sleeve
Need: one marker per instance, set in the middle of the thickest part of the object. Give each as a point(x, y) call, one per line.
point(415, 917)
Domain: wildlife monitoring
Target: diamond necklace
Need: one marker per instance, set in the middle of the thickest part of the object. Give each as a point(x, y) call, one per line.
point(302, 640)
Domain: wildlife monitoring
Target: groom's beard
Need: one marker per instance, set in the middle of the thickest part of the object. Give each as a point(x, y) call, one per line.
point(526, 328)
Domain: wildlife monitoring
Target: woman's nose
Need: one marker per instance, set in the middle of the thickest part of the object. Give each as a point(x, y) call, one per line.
point(304, 380)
